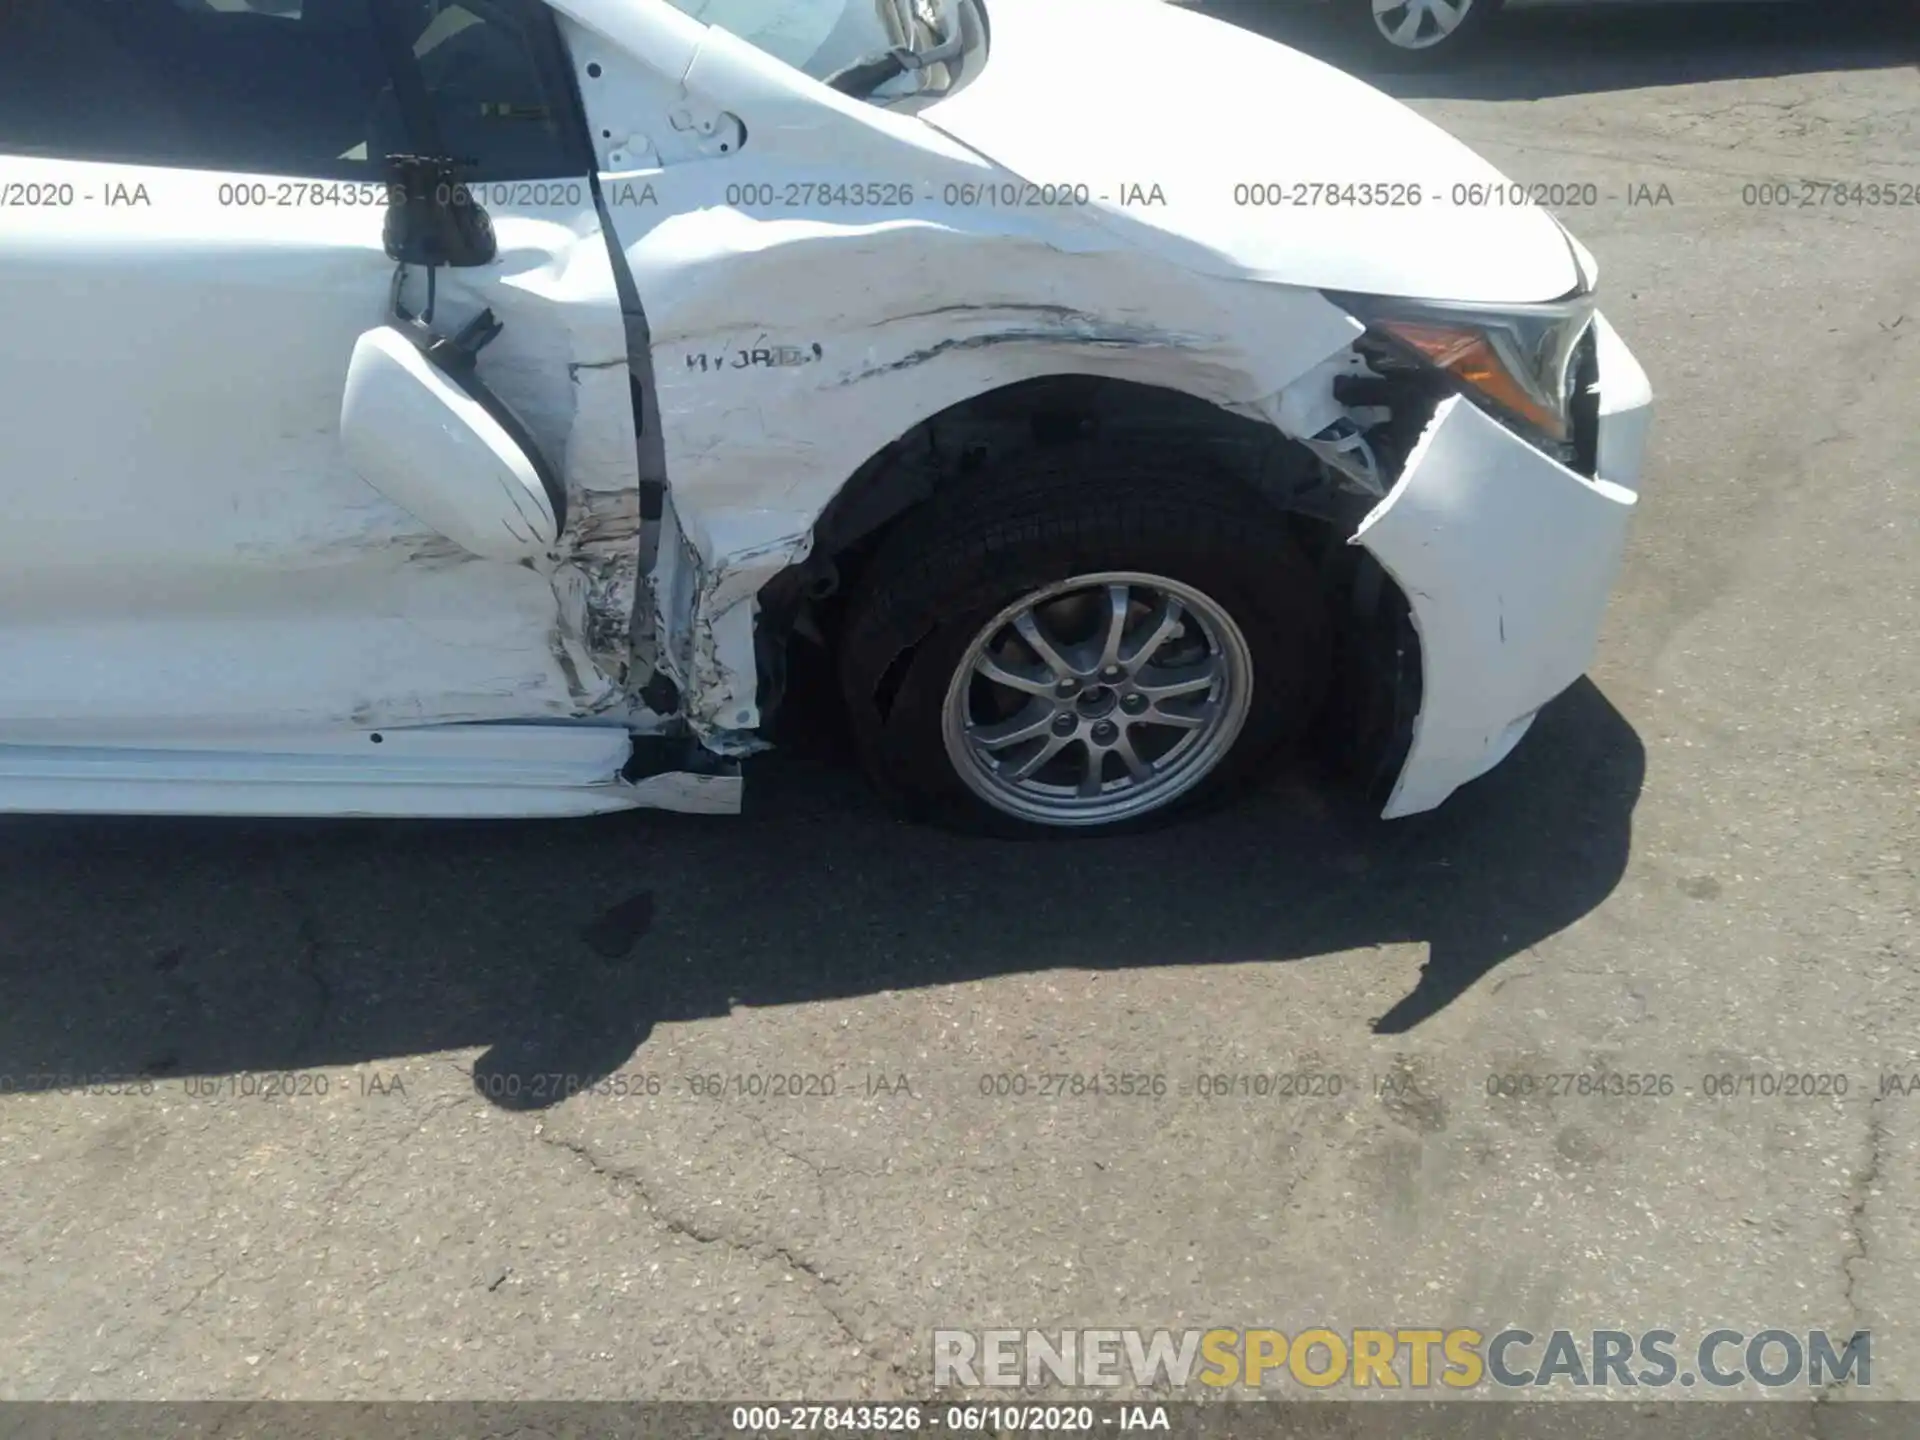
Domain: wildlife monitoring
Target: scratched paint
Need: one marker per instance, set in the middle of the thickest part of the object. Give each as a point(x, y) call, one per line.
point(919, 308)
point(788, 343)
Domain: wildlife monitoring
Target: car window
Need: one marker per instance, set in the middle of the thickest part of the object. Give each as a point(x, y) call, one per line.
point(823, 37)
point(283, 87)
point(790, 30)
point(501, 98)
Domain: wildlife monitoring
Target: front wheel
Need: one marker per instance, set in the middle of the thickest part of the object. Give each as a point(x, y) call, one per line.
point(1407, 33)
point(1087, 642)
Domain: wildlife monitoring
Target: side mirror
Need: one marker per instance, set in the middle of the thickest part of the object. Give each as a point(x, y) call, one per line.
point(433, 219)
point(434, 450)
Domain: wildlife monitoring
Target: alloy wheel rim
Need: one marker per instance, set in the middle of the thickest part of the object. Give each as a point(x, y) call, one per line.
point(1098, 699)
point(1419, 24)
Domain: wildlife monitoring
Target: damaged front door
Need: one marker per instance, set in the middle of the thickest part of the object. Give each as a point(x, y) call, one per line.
point(190, 548)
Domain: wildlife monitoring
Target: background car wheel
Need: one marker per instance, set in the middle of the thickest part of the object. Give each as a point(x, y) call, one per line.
point(1086, 641)
point(1403, 34)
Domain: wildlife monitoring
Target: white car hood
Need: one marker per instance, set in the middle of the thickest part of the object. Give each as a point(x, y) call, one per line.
point(1115, 94)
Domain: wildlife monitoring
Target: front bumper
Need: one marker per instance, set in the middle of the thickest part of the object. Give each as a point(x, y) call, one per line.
point(1506, 558)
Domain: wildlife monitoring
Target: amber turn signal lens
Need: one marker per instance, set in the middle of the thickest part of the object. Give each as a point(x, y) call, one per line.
point(1470, 357)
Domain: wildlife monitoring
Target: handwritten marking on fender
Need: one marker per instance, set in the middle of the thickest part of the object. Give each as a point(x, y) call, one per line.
point(763, 357)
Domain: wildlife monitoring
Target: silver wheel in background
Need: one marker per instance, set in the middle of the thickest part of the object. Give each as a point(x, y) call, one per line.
point(1098, 699)
point(1419, 24)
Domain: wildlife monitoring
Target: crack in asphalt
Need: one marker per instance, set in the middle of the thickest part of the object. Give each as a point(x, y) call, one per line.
point(439, 1106)
point(270, 1348)
point(819, 1169)
point(183, 1307)
point(1859, 1195)
point(163, 1326)
point(825, 1289)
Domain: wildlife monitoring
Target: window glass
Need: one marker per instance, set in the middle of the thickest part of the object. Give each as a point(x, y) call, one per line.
point(493, 100)
point(826, 37)
point(792, 30)
point(281, 87)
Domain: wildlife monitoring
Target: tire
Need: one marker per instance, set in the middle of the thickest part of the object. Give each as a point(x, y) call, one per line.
point(944, 594)
point(1372, 25)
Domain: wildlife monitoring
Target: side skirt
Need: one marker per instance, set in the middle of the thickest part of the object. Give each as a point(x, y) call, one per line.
point(446, 771)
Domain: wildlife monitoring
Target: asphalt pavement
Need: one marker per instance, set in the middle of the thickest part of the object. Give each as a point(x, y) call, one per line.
point(819, 1124)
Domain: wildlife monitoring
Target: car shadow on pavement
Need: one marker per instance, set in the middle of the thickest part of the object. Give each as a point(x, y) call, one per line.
point(171, 948)
point(1532, 54)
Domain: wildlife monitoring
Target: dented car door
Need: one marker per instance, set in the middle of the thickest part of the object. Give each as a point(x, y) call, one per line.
point(191, 552)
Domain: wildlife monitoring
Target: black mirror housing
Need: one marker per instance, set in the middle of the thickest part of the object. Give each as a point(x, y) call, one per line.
point(432, 218)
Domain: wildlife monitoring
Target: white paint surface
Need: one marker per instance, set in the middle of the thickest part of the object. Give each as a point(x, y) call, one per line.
point(458, 772)
point(191, 566)
point(431, 448)
point(1506, 558)
point(1124, 93)
point(890, 312)
point(186, 542)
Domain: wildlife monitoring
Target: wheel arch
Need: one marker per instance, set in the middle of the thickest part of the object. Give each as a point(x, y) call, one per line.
point(943, 449)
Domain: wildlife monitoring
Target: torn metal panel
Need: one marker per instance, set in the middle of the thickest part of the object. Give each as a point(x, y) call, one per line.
point(675, 584)
point(793, 335)
point(722, 705)
point(1310, 412)
point(736, 553)
point(596, 586)
point(1506, 558)
point(570, 383)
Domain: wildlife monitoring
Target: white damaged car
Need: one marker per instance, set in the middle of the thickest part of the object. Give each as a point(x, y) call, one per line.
point(464, 407)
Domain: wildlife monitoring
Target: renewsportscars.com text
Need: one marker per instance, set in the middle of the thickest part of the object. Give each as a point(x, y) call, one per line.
point(1403, 1357)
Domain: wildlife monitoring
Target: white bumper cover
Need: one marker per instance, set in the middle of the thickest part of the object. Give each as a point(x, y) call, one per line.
point(1506, 558)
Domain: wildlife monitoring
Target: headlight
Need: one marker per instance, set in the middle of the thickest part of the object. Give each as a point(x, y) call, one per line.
point(1514, 360)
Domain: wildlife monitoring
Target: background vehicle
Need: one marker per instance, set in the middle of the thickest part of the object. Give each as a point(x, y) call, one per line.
point(502, 486)
point(1423, 32)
